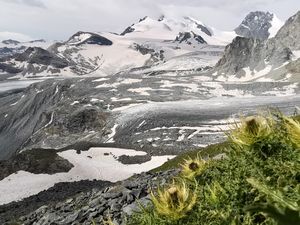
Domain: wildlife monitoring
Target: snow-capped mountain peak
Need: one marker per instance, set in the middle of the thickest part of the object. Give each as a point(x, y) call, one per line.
point(166, 28)
point(259, 25)
point(162, 43)
point(88, 38)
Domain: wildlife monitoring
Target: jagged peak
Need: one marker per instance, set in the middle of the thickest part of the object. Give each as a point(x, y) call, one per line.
point(144, 18)
point(259, 25)
point(82, 37)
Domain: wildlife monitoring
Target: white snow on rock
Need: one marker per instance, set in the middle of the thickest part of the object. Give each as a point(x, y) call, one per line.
point(250, 75)
point(288, 90)
point(141, 90)
point(110, 138)
point(88, 165)
point(276, 24)
point(189, 86)
point(169, 28)
point(296, 54)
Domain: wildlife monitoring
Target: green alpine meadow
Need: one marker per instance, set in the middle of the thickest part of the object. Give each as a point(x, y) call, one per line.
point(257, 181)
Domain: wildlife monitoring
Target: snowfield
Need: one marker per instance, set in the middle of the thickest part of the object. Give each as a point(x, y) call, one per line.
point(89, 165)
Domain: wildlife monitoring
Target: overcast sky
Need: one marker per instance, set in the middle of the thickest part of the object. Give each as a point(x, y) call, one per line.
point(59, 19)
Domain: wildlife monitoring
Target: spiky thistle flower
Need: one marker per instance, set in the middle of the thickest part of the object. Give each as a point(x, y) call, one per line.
point(193, 167)
point(251, 129)
point(174, 201)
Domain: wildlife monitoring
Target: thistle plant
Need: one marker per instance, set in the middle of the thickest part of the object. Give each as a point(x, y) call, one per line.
point(174, 201)
point(193, 167)
point(250, 130)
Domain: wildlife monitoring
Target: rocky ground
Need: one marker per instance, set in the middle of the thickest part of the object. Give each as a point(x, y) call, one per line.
point(159, 115)
point(10, 213)
point(98, 204)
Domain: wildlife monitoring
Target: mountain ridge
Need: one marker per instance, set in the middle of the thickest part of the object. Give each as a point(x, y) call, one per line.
point(93, 53)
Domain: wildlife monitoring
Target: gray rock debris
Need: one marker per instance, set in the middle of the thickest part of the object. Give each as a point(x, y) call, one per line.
point(115, 202)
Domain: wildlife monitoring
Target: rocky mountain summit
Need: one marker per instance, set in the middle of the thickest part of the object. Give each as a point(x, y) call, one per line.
point(255, 59)
point(259, 25)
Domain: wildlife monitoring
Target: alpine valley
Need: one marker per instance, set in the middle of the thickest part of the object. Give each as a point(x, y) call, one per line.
point(81, 116)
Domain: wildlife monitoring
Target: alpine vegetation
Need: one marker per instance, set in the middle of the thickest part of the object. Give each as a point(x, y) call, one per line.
point(257, 183)
point(174, 201)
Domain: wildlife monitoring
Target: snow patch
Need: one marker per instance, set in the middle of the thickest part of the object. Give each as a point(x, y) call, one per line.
point(141, 91)
point(74, 103)
point(110, 138)
point(276, 24)
point(88, 165)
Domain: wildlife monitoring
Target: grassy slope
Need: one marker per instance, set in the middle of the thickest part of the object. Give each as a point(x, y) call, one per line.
point(209, 151)
point(259, 182)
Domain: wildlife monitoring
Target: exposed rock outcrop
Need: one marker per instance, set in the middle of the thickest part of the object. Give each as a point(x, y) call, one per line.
point(256, 54)
point(189, 38)
point(256, 25)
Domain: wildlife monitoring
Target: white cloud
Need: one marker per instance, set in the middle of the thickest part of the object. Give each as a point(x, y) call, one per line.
point(36, 3)
point(15, 36)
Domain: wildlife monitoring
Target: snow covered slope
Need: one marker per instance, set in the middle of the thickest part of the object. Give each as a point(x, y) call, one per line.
point(145, 44)
point(169, 29)
point(161, 45)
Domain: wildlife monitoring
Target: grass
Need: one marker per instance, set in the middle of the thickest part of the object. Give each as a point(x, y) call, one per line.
point(209, 151)
point(257, 183)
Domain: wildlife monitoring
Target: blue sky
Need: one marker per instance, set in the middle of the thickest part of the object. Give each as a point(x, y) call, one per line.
point(59, 19)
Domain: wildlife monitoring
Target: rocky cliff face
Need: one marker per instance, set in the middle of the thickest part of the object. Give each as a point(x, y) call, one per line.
point(289, 34)
point(240, 53)
point(261, 55)
point(256, 25)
